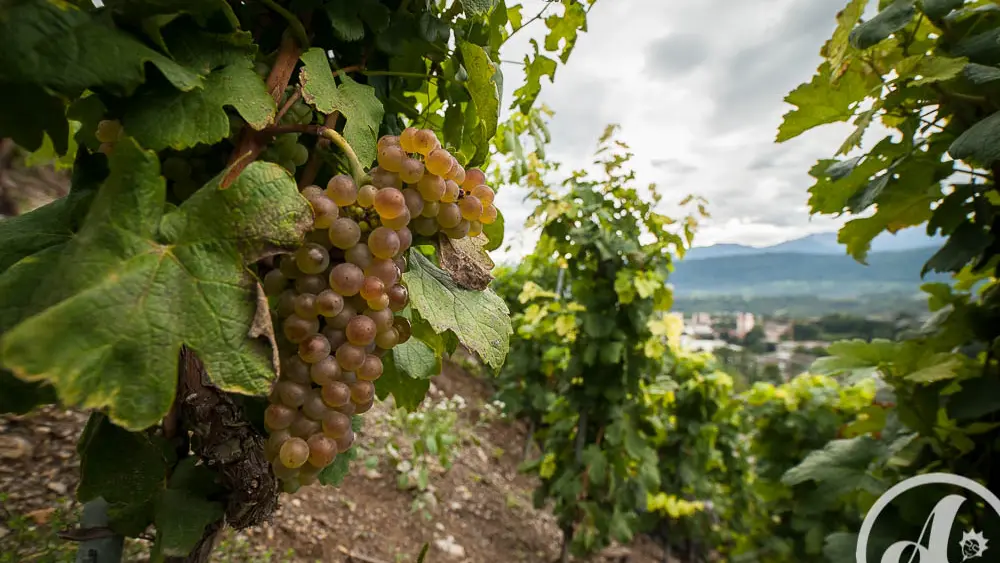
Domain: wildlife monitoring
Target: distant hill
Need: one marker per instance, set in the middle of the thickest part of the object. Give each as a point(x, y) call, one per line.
point(820, 243)
point(795, 273)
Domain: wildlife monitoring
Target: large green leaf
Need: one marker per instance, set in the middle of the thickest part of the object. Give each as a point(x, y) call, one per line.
point(841, 465)
point(837, 49)
point(979, 143)
point(478, 7)
point(165, 118)
point(893, 18)
point(479, 319)
point(535, 67)
point(818, 102)
point(334, 474)
point(126, 469)
point(181, 518)
point(146, 282)
point(564, 29)
point(46, 226)
point(408, 392)
point(59, 46)
point(356, 102)
point(28, 128)
point(937, 9)
point(482, 87)
point(416, 359)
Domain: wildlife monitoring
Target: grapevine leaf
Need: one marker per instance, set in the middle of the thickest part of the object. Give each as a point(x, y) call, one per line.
point(983, 48)
point(144, 8)
point(896, 211)
point(408, 392)
point(165, 118)
point(818, 102)
point(20, 397)
point(205, 52)
point(535, 68)
point(966, 243)
point(479, 319)
point(937, 9)
point(979, 397)
point(861, 124)
point(981, 74)
point(494, 233)
point(416, 359)
point(59, 46)
point(41, 228)
point(356, 102)
point(837, 48)
point(891, 19)
point(152, 281)
point(564, 29)
point(478, 7)
point(840, 465)
point(979, 143)
point(931, 69)
point(937, 372)
point(127, 469)
point(333, 475)
point(181, 518)
point(481, 86)
point(28, 128)
point(345, 20)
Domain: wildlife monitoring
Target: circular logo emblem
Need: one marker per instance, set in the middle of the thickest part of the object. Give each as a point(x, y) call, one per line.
point(932, 545)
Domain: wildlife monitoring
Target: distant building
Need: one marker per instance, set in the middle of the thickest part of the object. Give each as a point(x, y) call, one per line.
point(744, 324)
point(775, 331)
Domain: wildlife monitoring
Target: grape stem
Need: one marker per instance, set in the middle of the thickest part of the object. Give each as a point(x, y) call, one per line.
point(357, 171)
point(288, 104)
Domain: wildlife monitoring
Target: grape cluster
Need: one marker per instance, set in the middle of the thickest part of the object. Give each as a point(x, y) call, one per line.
point(337, 295)
point(286, 152)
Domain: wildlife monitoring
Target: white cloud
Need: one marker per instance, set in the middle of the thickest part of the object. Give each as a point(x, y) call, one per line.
point(697, 87)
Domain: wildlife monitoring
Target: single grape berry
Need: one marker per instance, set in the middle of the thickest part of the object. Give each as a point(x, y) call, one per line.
point(425, 141)
point(305, 305)
point(334, 335)
point(314, 348)
point(108, 130)
point(324, 371)
point(475, 228)
point(311, 283)
point(389, 203)
point(461, 230)
point(431, 187)
point(397, 223)
point(382, 178)
point(385, 270)
point(278, 417)
point(361, 331)
point(471, 207)
point(312, 258)
point(337, 424)
point(449, 216)
point(438, 162)
point(372, 288)
point(371, 369)
point(405, 239)
point(484, 193)
point(383, 318)
point(424, 226)
point(457, 173)
point(288, 267)
point(345, 442)
point(403, 330)
point(342, 190)
point(398, 298)
point(346, 279)
point(340, 321)
point(322, 450)
point(412, 172)
point(407, 138)
point(325, 211)
point(350, 356)
point(329, 303)
point(286, 303)
point(386, 339)
point(336, 394)
point(297, 329)
point(294, 453)
point(451, 192)
point(387, 141)
point(383, 242)
point(489, 215)
point(291, 394)
point(366, 196)
point(303, 427)
point(414, 201)
point(344, 233)
point(473, 177)
point(274, 282)
point(392, 158)
point(362, 392)
point(294, 369)
point(314, 408)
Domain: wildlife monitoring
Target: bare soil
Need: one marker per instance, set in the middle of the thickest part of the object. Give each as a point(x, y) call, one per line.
point(481, 510)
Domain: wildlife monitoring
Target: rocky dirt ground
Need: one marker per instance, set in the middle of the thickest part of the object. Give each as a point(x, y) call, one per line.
point(478, 510)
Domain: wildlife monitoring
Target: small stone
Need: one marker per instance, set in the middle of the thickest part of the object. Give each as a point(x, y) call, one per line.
point(296, 503)
point(15, 447)
point(464, 492)
point(3, 532)
point(455, 506)
point(449, 547)
point(439, 526)
point(57, 487)
point(41, 516)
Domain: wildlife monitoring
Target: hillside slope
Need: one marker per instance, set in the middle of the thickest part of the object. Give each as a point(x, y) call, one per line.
point(789, 273)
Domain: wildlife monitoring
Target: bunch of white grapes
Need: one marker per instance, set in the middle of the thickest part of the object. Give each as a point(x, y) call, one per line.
point(337, 295)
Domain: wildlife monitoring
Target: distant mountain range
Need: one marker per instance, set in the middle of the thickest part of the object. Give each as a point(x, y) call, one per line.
point(815, 264)
point(820, 243)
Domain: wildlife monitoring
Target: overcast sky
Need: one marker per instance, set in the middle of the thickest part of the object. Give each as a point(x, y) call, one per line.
point(698, 88)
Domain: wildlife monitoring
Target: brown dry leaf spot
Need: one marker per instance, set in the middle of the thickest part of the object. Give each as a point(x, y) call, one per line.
point(263, 327)
point(466, 261)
